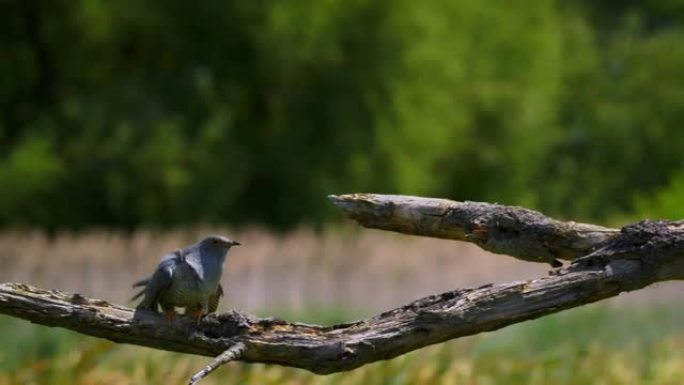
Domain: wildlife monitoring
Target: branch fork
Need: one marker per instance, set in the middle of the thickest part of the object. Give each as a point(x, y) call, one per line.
point(604, 263)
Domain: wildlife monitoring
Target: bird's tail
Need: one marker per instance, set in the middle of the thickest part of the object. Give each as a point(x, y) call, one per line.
point(142, 282)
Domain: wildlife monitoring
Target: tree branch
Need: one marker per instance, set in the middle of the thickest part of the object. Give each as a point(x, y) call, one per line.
point(641, 254)
point(231, 354)
point(521, 233)
point(635, 257)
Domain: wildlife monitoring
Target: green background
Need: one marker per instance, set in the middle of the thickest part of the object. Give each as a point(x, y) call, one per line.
point(162, 113)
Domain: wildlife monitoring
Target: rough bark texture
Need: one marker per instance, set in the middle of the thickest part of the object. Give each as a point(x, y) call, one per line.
point(521, 233)
point(630, 259)
point(641, 254)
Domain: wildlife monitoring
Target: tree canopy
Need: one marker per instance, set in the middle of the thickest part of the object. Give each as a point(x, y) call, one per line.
point(163, 113)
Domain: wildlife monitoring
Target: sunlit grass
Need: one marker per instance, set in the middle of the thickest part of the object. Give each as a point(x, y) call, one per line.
point(592, 345)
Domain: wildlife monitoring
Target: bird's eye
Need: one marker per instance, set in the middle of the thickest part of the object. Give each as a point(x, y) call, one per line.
point(215, 241)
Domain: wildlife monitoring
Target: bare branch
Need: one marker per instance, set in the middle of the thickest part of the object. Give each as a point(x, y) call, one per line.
point(521, 233)
point(231, 354)
point(641, 254)
point(606, 262)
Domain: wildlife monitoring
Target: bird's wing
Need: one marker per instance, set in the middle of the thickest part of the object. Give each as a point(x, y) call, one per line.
point(159, 282)
point(164, 260)
point(173, 257)
point(191, 257)
point(214, 299)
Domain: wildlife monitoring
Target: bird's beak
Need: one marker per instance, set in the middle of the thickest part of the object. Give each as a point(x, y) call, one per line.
point(235, 243)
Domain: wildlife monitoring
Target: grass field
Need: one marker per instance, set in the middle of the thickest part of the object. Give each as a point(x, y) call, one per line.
point(325, 278)
point(593, 345)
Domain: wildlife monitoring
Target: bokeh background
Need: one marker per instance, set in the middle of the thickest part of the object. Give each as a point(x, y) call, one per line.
point(130, 128)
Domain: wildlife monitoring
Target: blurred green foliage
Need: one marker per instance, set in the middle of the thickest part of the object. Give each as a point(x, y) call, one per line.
point(131, 112)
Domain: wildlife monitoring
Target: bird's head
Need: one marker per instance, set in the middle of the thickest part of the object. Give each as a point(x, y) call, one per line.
point(218, 241)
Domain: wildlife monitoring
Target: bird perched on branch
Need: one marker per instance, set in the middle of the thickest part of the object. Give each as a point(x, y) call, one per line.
point(187, 278)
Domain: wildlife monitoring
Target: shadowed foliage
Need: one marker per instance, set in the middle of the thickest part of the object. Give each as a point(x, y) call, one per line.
point(146, 112)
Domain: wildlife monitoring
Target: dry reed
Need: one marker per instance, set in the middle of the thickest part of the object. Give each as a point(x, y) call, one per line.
point(345, 268)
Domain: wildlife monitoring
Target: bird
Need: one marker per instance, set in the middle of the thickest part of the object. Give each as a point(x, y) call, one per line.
point(187, 278)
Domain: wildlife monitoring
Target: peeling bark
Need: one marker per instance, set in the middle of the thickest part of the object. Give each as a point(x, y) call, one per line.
point(519, 232)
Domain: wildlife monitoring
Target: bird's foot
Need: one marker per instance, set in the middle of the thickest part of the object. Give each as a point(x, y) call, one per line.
point(170, 315)
point(197, 315)
point(556, 263)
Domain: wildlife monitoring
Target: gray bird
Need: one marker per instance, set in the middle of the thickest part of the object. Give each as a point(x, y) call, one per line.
point(187, 278)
